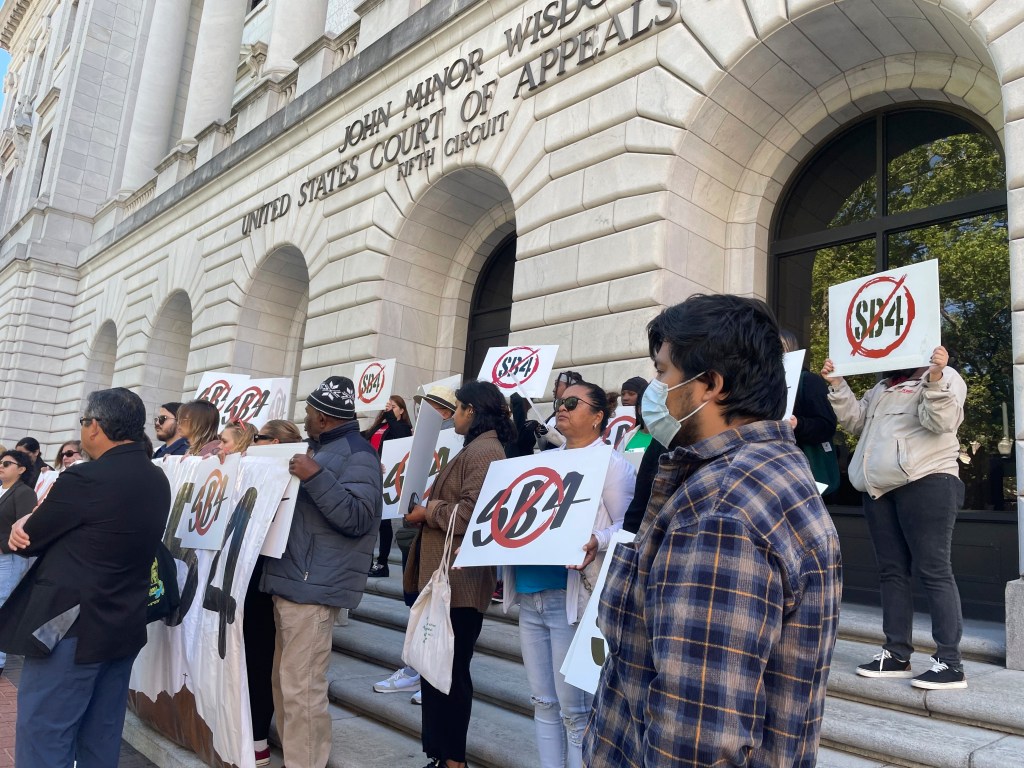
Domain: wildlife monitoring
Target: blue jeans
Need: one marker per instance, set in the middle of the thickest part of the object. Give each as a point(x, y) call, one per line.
point(12, 568)
point(560, 711)
point(71, 712)
point(912, 530)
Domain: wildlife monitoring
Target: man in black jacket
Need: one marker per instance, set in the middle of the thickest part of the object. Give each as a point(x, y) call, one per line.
point(79, 614)
point(324, 566)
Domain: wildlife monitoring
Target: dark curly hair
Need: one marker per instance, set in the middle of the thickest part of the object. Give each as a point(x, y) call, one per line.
point(490, 411)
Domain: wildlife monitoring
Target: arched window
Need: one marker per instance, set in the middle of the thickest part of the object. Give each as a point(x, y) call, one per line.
point(900, 187)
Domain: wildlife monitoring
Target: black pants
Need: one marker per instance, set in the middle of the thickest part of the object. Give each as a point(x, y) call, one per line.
point(258, 632)
point(387, 535)
point(446, 718)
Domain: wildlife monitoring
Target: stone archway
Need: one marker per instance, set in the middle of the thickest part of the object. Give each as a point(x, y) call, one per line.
point(272, 320)
point(168, 348)
point(442, 246)
point(99, 370)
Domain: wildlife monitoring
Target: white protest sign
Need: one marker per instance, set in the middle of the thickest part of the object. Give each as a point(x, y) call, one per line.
point(793, 362)
point(240, 398)
point(394, 458)
point(202, 526)
point(522, 368)
point(373, 381)
point(44, 483)
point(586, 654)
point(619, 425)
point(277, 537)
point(189, 681)
point(537, 509)
point(421, 458)
point(885, 321)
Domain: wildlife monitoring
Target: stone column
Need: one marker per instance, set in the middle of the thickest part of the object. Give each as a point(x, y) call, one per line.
point(218, 48)
point(150, 137)
point(293, 27)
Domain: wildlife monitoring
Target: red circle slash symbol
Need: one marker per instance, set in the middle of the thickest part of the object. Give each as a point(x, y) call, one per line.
point(516, 366)
point(617, 429)
point(371, 382)
point(503, 533)
point(217, 393)
point(879, 317)
point(206, 507)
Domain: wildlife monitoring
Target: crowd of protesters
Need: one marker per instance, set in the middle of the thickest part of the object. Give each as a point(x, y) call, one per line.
point(720, 616)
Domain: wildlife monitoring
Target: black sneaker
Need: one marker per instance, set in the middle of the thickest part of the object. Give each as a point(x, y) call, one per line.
point(941, 677)
point(379, 569)
point(885, 665)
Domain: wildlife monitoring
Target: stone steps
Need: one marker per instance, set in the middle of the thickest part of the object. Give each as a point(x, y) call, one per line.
point(868, 723)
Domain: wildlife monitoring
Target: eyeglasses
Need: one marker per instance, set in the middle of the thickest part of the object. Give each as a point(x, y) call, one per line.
point(69, 454)
point(8, 464)
point(85, 421)
point(159, 420)
point(571, 402)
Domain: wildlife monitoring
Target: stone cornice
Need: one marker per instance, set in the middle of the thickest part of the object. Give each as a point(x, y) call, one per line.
point(48, 101)
point(334, 43)
point(11, 16)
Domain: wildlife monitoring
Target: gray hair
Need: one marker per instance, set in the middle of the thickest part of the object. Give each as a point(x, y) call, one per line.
point(120, 413)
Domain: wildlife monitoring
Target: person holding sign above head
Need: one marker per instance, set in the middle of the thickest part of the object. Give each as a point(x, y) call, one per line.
point(198, 422)
point(905, 464)
point(392, 423)
point(721, 616)
point(483, 418)
point(324, 565)
point(552, 599)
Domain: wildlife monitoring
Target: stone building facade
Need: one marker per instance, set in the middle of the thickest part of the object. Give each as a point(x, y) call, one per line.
point(283, 189)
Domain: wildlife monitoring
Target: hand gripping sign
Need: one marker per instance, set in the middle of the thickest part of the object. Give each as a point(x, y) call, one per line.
point(885, 321)
point(619, 426)
point(395, 457)
point(374, 381)
point(586, 654)
point(523, 369)
point(421, 458)
point(536, 510)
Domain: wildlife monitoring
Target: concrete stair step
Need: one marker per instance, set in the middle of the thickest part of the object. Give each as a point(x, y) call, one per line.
point(982, 640)
point(991, 700)
point(391, 587)
point(495, 679)
point(497, 638)
point(891, 737)
point(498, 737)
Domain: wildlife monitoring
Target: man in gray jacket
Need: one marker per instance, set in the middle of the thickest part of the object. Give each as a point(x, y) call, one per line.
point(324, 566)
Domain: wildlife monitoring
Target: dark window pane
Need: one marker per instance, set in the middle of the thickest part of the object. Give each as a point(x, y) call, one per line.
point(837, 188)
point(974, 281)
point(933, 158)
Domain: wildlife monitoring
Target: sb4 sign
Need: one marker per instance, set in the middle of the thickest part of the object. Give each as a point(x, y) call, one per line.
point(199, 513)
point(394, 461)
point(536, 510)
point(524, 369)
point(240, 398)
point(374, 383)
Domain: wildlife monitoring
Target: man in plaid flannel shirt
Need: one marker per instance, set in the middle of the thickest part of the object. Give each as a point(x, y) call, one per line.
point(721, 617)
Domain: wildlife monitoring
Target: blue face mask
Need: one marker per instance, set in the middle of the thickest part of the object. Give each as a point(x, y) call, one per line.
point(662, 425)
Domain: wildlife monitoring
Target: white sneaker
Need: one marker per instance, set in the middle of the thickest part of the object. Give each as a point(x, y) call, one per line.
point(417, 698)
point(399, 682)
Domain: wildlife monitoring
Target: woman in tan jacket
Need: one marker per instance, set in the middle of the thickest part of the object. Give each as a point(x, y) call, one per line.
point(483, 417)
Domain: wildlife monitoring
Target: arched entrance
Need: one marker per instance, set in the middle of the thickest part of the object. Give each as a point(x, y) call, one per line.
point(490, 314)
point(901, 186)
point(99, 372)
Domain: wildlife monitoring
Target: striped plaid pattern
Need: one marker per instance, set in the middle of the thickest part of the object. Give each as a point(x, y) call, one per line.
point(721, 617)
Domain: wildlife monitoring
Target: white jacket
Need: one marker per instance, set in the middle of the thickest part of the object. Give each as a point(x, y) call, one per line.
point(907, 431)
point(619, 485)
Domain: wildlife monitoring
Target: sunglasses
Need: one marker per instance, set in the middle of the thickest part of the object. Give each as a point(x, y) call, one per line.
point(159, 420)
point(570, 403)
point(262, 437)
point(8, 464)
point(69, 454)
point(85, 421)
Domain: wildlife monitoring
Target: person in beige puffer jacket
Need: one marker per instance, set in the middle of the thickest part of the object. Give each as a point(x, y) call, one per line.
point(906, 466)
